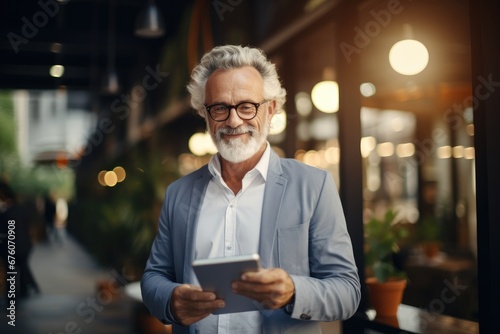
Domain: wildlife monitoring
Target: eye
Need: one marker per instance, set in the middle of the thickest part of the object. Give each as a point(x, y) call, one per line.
point(219, 108)
point(246, 107)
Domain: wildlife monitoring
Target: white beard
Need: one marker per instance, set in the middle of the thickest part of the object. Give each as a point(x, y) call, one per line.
point(235, 150)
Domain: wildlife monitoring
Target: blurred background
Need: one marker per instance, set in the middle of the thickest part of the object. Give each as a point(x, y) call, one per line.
point(95, 123)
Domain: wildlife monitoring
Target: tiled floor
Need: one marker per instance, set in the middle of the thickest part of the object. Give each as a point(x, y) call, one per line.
point(69, 300)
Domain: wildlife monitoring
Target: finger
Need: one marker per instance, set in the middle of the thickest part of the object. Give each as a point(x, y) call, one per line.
point(262, 292)
point(265, 276)
point(199, 308)
point(194, 293)
point(188, 312)
point(253, 287)
point(271, 295)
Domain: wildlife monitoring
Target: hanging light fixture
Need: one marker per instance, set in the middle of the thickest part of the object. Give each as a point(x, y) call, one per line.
point(110, 82)
point(150, 23)
point(408, 56)
point(57, 70)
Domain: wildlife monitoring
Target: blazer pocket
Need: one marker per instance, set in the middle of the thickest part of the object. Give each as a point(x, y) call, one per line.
point(293, 249)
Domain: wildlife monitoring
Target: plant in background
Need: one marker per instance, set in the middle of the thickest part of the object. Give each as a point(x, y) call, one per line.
point(382, 238)
point(428, 229)
point(428, 233)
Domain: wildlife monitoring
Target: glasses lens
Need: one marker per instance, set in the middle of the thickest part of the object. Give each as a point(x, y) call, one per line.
point(246, 110)
point(218, 111)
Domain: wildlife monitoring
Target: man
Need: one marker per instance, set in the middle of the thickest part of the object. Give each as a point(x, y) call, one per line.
point(248, 200)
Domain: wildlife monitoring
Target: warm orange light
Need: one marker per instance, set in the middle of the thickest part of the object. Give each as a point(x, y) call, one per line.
point(325, 96)
point(61, 161)
point(120, 173)
point(443, 152)
point(408, 57)
point(385, 149)
point(100, 178)
point(110, 179)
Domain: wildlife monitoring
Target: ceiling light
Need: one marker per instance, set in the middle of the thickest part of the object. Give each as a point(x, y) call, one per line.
point(56, 47)
point(150, 22)
point(367, 89)
point(303, 103)
point(325, 96)
point(278, 123)
point(57, 71)
point(111, 84)
point(385, 149)
point(408, 57)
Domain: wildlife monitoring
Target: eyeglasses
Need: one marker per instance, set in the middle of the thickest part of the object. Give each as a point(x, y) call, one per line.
point(219, 112)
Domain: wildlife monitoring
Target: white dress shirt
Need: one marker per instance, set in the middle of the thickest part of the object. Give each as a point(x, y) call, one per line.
point(229, 225)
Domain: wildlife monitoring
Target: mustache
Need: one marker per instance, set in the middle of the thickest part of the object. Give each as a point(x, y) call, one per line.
point(236, 131)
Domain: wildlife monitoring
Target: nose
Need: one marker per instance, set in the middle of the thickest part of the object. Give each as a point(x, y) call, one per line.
point(234, 120)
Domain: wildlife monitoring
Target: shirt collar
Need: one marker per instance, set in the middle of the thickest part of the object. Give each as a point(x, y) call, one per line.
point(262, 166)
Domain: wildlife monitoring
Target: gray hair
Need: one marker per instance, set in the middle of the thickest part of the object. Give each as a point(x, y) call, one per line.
point(234, 56)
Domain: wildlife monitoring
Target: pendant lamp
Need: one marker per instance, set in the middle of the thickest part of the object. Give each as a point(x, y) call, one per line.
point(150, 23)
point(110, 83)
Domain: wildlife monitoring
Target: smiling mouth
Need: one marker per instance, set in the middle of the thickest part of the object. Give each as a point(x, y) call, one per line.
point(228, 133)
point(232, 137)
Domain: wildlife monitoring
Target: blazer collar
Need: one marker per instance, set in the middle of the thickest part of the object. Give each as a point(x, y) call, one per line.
point(273, 197)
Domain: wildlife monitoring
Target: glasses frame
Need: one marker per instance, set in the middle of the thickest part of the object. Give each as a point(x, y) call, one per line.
point(235, 107)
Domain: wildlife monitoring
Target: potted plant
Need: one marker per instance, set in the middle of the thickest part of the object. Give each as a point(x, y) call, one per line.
point(428, 232)
point(385, 281)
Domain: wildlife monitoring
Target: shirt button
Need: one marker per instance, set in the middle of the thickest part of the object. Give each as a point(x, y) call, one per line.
point(229, 247)
point(304, 316)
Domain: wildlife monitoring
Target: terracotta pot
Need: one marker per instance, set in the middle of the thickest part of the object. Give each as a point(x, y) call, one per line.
point(431, 249)
point(147, 324)
point(151, 325)
point(386, 297)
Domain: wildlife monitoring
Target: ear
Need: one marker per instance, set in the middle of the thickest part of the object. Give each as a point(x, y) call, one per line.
point(202, 113)
point(271, 108)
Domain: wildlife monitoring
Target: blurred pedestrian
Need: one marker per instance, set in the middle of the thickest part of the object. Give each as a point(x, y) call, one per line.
point(49, 213)
point(19, 247)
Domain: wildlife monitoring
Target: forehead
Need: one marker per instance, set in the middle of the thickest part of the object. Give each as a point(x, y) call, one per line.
point(234, 85)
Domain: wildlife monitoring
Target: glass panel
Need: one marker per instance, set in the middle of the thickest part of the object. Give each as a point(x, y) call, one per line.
point(417, 148)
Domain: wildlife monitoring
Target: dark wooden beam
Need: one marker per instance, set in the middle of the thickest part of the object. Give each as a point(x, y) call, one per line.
point(485, 34)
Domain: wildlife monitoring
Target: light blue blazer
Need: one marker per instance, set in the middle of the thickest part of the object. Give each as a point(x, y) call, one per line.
point(303, 232)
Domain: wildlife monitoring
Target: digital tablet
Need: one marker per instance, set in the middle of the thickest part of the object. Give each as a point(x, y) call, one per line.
point(217, 274)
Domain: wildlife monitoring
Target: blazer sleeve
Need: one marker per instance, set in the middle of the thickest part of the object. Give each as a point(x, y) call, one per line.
point(158, 280)
point(331, 291)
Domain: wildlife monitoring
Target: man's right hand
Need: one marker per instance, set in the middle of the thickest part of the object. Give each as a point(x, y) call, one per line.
point(190, 304)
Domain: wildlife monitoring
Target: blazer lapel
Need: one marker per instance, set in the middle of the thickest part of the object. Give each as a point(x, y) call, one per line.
point(199, 188)
point(273, 196)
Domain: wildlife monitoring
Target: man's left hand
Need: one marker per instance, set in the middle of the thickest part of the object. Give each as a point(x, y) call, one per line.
point(273, 288)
